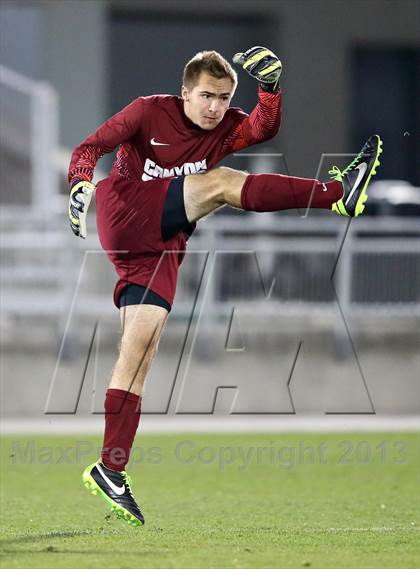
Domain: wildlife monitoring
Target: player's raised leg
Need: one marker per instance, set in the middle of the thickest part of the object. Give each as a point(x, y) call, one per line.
point(345, 194)
point(142, 327)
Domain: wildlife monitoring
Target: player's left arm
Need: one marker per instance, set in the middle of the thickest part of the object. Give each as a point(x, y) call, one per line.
point(264, 121)
point(116, 130)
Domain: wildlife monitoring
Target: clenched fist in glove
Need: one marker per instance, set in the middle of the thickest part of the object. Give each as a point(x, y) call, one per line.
point(80, 195)
point(263, 65)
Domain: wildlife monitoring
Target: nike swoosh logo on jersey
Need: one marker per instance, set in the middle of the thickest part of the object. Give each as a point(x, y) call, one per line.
point(362, 169)
point(155, 143)
point(119, 490)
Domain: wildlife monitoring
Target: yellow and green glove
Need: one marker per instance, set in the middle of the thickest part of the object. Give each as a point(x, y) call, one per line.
point(80, 196)
point(262, 64)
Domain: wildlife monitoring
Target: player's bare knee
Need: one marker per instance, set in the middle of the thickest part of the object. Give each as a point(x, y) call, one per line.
point(213, 188)
point(229, 182)
point(218, 182)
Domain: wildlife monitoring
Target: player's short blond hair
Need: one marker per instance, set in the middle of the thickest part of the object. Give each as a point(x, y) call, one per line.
point(210, 62)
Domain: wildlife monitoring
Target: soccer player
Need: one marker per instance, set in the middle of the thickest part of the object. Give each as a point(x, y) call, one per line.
point(164, 179)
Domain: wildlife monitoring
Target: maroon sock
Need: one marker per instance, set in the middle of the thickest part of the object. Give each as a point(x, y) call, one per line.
point(275, 192)
point(122, 416)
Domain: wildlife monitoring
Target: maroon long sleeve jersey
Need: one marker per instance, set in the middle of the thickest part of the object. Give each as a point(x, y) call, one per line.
point(157, 140)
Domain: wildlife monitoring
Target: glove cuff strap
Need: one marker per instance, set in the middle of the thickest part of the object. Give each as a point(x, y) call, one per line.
point(271, 87)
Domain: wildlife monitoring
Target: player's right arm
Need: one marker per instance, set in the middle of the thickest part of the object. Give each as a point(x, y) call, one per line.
point(263, 122)
point(115, 131)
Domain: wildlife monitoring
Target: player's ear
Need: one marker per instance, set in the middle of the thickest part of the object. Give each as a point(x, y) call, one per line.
point(184, 93)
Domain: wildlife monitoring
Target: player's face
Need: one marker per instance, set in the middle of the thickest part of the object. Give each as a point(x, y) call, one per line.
point(205, 104)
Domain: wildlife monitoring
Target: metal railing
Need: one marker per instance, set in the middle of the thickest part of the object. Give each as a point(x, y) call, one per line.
point(29, 135)
point(290, 265)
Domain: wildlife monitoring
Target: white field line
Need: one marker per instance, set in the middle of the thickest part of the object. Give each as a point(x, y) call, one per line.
point(93, 424)
point(361, 530)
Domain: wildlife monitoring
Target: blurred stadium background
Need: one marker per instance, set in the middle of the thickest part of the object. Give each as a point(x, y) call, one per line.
point(302, 312)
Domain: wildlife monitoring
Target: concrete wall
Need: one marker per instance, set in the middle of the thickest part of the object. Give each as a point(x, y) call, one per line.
point(317, 40)
point(75, 62)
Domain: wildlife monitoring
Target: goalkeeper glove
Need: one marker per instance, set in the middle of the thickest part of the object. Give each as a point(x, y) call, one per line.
point(263, 65)
point(80, 195)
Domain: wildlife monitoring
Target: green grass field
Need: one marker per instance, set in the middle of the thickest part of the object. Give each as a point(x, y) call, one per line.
point(213, 501)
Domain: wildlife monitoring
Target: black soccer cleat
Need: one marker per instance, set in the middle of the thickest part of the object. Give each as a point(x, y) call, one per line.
point(356, 177)
point(114, 487)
